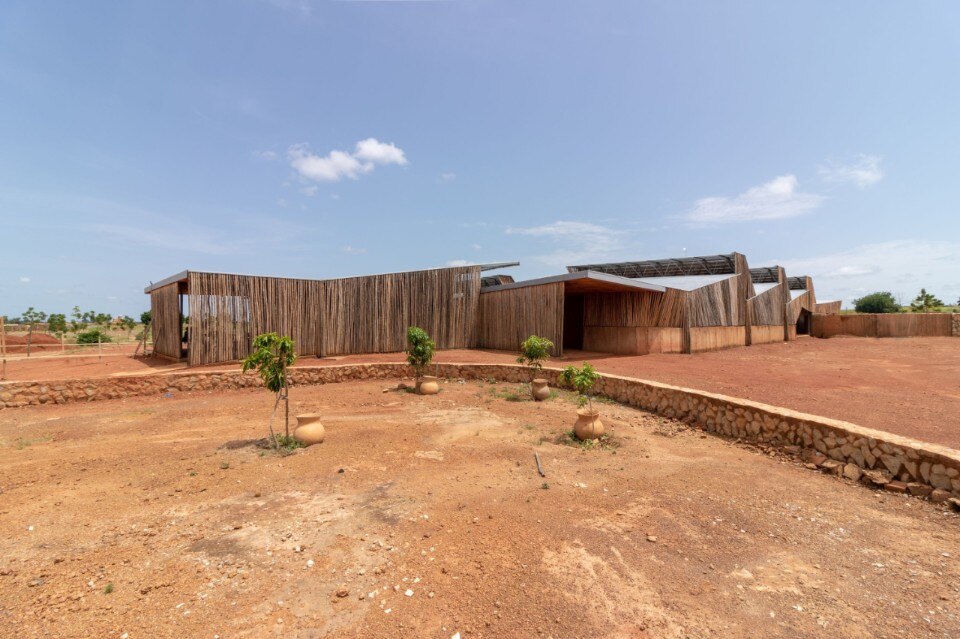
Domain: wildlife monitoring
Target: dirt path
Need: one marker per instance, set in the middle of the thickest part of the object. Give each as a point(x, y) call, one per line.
point(673, 534)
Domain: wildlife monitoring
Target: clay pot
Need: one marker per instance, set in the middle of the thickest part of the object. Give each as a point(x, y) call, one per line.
point(309, 430)
point(428, 385)
point(588, 424)
point(540, 389)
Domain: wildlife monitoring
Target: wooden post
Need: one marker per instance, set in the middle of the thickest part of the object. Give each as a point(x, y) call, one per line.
point(29, 338)
point(99, 348)
point(63, 344)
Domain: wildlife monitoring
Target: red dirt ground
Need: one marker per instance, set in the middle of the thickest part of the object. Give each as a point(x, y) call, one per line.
point(907, 386)
point(134, 519)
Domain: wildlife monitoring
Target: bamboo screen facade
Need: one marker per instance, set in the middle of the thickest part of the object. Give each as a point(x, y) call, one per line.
point(323, 317)
point(165, 322)
point(828, 308)
point(372, 314)
point(718, 304)
point(643, 308)
point(509, 316)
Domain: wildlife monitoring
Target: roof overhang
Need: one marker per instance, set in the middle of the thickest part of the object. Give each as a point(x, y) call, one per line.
point(584, 282)
point(183, 275)
point(179, 277)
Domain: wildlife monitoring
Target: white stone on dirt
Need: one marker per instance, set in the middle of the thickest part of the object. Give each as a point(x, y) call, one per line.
point(408, 592)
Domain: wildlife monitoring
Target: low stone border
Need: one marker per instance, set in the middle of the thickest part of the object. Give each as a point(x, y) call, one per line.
point(896, 463)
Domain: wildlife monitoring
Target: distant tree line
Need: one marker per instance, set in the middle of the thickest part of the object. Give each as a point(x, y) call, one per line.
point(87, 325)
point(884, 302)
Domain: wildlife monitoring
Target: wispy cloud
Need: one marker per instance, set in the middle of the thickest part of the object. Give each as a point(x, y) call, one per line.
point(336, 165)
point(901, 267)
point(459, 263)
point(448, 177)
point(777, 199)
point(24, 280)
point(267, 156)
point(182, 241)
point(353, 250)
point(864, 171)
point(576, 242)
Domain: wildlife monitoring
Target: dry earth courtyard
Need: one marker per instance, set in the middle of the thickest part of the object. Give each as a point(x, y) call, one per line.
point(425, 516)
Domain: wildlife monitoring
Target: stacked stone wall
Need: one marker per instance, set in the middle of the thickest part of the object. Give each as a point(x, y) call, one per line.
point(883, 459)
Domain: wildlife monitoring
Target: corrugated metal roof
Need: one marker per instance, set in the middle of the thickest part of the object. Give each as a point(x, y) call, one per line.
point(677, 266)
point(686, 282)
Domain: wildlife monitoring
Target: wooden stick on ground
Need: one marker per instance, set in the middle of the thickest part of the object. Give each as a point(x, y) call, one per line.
point(539, 467)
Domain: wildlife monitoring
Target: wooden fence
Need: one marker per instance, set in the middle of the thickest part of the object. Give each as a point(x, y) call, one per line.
point(507, 317)
point(884, 325)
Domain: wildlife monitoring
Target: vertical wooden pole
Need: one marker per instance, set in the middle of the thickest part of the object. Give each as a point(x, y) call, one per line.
point(63, 344)
point(29, 339)
point(99, 349)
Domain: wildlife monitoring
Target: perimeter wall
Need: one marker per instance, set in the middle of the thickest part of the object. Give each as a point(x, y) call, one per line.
point(887, 325)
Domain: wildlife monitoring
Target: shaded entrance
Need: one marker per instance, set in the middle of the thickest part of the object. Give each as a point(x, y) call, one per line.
point(573, 322)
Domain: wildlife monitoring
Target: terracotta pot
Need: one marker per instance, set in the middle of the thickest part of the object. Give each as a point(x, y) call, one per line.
point(428, 385)
point(309, 430)
point(588, 424)
point(540, 389)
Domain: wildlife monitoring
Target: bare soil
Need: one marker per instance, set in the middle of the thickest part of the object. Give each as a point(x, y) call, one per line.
point(907, 386)
point(152, 518)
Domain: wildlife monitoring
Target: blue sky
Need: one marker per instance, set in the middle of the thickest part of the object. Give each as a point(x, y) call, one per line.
point(324, 139)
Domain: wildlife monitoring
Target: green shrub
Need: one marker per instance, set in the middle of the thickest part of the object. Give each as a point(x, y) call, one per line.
point(581, 380)
point(420, 349)
point(880, 302)
point(534, 351)
point(93, 336)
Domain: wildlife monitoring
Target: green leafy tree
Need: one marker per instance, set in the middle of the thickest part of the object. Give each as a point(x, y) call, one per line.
point(57, 323)
point(127, 323)
point(102, 318)
point(534, 351)
point(146, 317)
point(925, 302)
point(32, 316)
point(420, 350)
point(581, 380)
point(880, 302)
point(272, 355)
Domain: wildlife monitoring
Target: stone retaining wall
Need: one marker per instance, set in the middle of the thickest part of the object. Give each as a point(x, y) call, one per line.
point(882, 459)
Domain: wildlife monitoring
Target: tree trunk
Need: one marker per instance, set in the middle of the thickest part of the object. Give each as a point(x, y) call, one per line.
point(29, 339)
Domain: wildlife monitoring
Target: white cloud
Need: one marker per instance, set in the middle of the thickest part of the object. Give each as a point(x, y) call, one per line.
point(448, 177)
point(774, 200)
point(577, 242)
point(337, 165)
point(459, 263)
point(309, 191)
point(352, 250)
point(864, 171)
point(24, 280)
point(269, 156)
point(476, 247)
point(372, 150)
point(901, 267)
